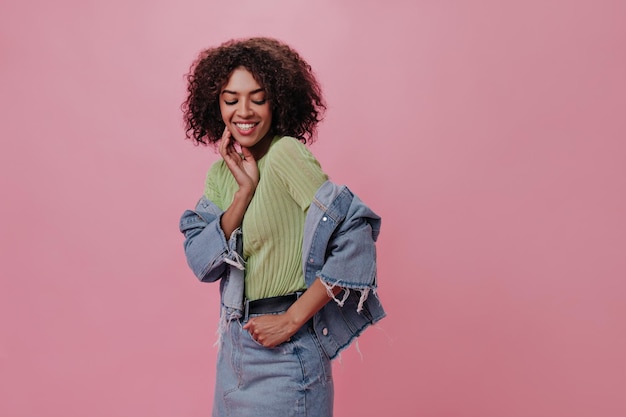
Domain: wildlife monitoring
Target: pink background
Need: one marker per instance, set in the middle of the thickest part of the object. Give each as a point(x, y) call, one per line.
point(490, 136)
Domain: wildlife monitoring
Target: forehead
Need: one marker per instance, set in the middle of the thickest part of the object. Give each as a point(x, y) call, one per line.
point(241, 81)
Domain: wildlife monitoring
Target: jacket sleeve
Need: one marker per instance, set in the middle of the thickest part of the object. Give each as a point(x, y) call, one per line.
point(341, 251)
point(206, 248)
point(351, 253)
point(339, 239)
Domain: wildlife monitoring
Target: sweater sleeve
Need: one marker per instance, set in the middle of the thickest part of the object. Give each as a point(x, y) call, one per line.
point(206, 248)
point(297, 169)
point(212, 191)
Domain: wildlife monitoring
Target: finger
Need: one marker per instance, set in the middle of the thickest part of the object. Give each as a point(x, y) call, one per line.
point(246, 154)
point(224, 144)
point(226, 135)
point(228, 151)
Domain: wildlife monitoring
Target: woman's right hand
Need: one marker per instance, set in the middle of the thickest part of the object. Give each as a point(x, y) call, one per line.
point(243, 166)
point(246, 172)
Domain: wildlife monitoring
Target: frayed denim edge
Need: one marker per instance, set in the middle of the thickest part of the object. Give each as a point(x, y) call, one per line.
point(330, 286)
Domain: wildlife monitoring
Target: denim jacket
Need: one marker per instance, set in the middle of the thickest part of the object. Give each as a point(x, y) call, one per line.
point(338, 247)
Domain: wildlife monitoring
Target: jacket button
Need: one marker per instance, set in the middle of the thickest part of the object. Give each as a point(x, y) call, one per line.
point(325, 331)
point(324, 218)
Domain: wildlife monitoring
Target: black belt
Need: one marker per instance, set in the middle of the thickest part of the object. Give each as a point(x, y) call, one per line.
point(272, 304)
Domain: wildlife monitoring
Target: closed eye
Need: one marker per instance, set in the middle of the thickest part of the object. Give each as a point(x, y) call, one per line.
point(257, 102)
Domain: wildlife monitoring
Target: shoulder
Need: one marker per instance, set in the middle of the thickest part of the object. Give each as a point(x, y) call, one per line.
point(290, 149)
point(218, 171)
point(291, 164)
point(217, 167)
point(286, 143)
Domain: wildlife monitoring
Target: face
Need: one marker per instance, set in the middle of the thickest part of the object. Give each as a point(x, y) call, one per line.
point(246, 111)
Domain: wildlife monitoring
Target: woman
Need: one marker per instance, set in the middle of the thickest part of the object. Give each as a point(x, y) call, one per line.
point(281, 239)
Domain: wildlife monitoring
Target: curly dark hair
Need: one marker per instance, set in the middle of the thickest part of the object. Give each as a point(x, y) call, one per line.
point(294, 93)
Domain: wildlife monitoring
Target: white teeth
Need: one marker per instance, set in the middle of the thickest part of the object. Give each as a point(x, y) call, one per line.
point(245, 126)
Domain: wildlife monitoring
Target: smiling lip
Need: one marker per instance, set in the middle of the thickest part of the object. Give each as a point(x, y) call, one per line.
point(246, 128)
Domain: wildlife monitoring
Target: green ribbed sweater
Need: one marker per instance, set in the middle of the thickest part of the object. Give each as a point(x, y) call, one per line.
point(274, 222)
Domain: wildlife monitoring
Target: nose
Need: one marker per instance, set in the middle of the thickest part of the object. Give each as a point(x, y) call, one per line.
point(244, 109)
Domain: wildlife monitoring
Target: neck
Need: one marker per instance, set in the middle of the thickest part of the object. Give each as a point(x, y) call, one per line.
point(259, 150)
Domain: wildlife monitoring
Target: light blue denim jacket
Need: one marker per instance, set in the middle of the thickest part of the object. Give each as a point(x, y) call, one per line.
point(339, 247)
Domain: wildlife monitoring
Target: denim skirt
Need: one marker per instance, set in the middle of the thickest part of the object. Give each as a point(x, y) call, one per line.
point(293, 379)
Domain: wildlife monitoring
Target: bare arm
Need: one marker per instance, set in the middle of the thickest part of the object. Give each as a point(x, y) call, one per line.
point(271, 330)
point(246, 173)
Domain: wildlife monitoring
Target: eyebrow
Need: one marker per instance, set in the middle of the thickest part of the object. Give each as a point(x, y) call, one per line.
point(258, 90)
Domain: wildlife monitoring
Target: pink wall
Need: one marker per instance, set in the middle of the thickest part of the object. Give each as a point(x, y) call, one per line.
point(488, 134)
